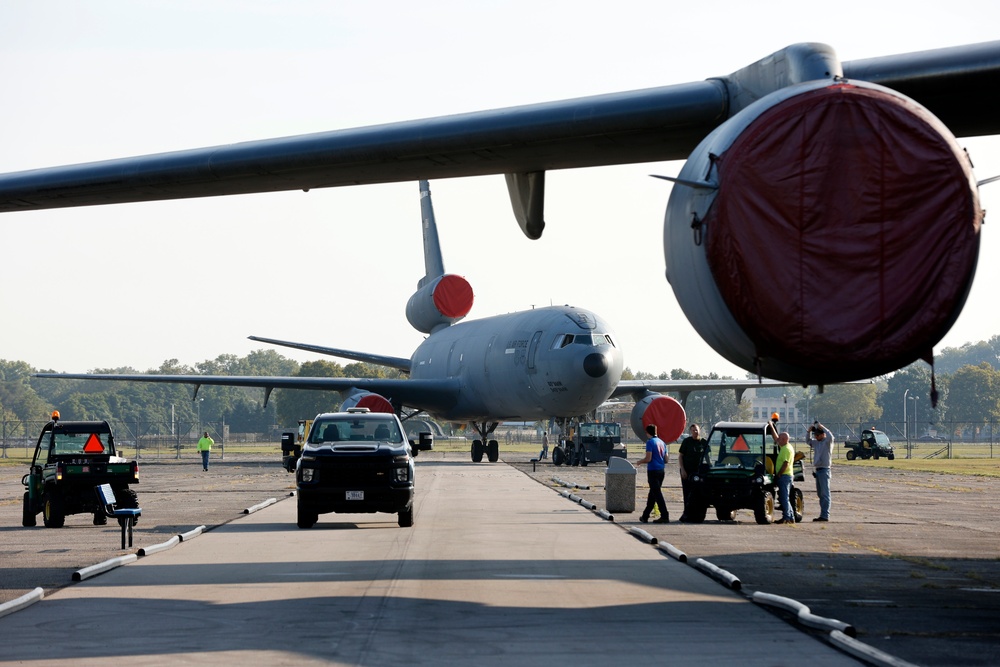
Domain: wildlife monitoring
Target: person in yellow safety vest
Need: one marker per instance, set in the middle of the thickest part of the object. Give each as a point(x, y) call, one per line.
point(783, 471)
point(205, 446)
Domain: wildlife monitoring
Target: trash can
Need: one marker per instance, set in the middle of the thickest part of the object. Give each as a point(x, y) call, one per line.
point(619, 485)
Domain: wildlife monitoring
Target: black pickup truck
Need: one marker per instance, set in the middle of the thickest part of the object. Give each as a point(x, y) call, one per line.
point(71, 459)
point(357, 462)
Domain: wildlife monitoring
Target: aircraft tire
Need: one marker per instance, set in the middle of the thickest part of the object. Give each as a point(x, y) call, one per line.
point(493, 451)
point(477, 451)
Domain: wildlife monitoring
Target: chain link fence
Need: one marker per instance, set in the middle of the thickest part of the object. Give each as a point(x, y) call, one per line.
point(150, 440)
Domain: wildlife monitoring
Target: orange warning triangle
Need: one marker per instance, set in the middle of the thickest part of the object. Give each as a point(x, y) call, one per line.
point(94, 445)
point(740, 445)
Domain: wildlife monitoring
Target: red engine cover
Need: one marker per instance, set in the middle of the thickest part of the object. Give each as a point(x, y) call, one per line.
point(845, 232)
point(664, 411)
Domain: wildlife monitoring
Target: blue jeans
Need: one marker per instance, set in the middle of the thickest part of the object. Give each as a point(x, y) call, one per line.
point(204, 458)
point(823, 491)
point(784, 496)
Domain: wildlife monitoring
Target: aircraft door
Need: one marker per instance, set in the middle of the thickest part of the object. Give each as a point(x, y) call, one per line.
point(532, 351)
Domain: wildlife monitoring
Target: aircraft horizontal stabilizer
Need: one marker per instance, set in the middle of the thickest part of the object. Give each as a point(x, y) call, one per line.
point(398, 363)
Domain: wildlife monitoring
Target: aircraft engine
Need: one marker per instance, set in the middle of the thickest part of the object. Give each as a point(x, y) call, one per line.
point(667, 413)
point(441, 302)
point(827, 232)
point(366, 399)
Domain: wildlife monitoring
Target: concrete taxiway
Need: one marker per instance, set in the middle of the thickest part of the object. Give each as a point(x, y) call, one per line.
point(496, 570)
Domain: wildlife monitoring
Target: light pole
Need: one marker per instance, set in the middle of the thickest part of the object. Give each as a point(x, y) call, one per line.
point(905, 436)
point(909, 447)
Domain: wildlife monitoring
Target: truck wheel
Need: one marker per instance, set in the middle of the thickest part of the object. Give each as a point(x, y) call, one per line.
point(477, 451)
point(100, 518)
point(27, 516)
point(763, 510)
point(798, 504)
point(406, 517)
point(725, 514)
point(493, 451)
point(851, 455)
point(305, 518)
point(53, 514)
point(558, 456)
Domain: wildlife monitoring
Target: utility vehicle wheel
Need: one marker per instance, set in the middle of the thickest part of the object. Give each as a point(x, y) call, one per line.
point(891, 457)
point(851, 455)
point(493, 451)
point(305, 518)
point(763, 510)
point(27, 516)
point(798, 504)
point(53, 513)
point(127, 500)
point(406, 518)
point(875, 454)
point(477, 451)
point(558, 456)
point(725, 514)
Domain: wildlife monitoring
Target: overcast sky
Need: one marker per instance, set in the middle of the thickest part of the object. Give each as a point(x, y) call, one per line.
point(133, 285)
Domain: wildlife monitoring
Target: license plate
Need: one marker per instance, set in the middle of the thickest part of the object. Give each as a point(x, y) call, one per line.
point(355, 495)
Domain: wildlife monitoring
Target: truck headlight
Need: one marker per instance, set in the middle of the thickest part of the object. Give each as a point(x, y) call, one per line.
point(308, 474)
point(402, 474)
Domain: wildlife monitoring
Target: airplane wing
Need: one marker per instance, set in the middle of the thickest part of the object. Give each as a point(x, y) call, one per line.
point(685, 387)
point(398, 363)
point(958, 84)
point(430, 395)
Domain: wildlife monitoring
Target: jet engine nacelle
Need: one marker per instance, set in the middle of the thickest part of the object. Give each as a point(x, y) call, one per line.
point(828, 232)
point(441, 302)
point(366, 399)
point(667, 413)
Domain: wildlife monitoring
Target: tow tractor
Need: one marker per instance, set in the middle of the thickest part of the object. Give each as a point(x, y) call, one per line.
point(590, 442)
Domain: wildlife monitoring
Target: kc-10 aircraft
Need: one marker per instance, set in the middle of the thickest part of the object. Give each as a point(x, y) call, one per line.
point(824, 228)
point(553, 362)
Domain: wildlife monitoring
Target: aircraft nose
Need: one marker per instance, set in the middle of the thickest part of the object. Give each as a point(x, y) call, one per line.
point(595, 364)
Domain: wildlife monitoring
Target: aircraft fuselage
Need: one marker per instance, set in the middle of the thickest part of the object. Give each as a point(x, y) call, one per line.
point(557, 361)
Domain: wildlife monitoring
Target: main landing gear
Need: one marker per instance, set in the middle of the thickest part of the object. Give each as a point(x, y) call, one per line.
point(480, 446)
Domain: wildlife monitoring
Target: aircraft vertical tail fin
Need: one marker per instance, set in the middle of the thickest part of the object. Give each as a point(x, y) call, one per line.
point(433, 261)
point(441, 299)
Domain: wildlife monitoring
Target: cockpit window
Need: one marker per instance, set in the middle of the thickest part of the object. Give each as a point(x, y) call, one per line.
point(564, 340)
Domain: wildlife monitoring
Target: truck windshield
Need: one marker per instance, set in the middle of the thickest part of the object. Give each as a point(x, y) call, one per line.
point(739, 449)
point(353, 429)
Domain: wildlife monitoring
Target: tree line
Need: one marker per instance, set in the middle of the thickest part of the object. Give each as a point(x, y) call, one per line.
point(967, 380)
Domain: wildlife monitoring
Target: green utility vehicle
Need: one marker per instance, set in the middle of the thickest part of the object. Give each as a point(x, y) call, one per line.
point(71, 459)
point(872, 445)
point(737, 472)
point(591, 442)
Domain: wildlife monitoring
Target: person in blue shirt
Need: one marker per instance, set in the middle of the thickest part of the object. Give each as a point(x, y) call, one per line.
point(656, 460)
